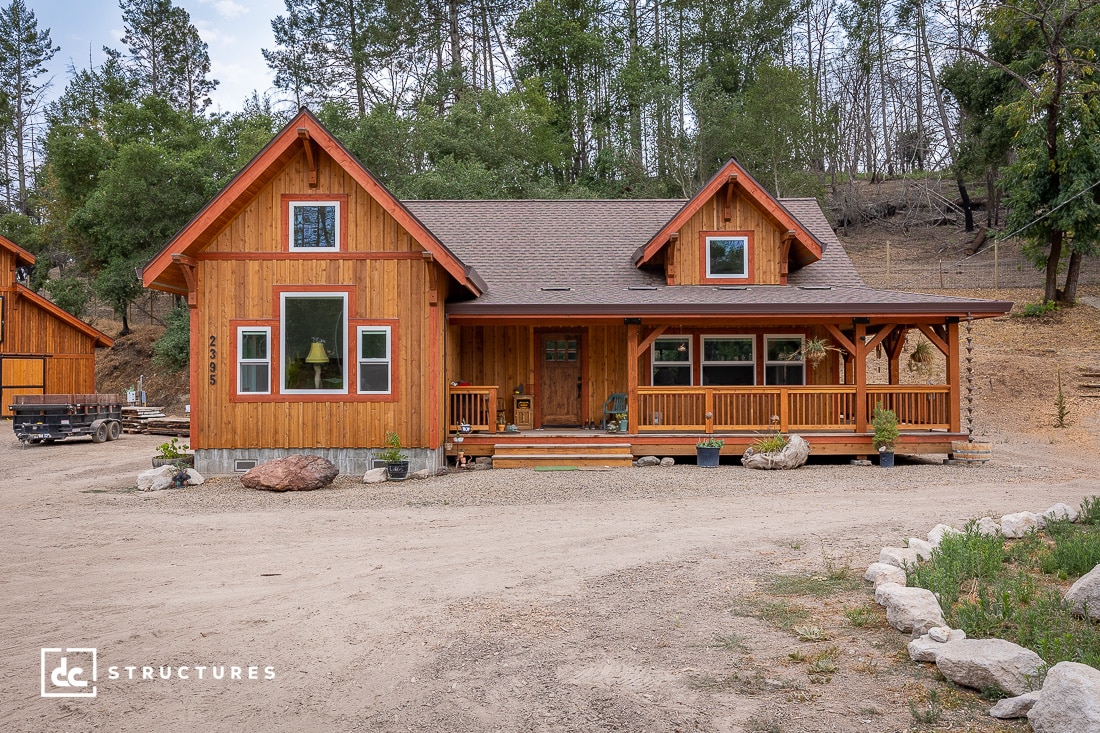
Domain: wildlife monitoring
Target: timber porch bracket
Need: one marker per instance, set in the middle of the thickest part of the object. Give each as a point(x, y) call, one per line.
point(187, 266)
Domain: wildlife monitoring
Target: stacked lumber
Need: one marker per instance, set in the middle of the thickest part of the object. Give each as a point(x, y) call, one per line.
point(179, 427)
point(134, 419)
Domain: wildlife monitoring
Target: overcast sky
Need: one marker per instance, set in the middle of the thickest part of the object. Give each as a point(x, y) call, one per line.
point(235, 31)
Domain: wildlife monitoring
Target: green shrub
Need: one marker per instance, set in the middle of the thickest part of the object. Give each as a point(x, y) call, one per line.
point(1075, 552)
point(960, 557)
point(173, 349)
point(770, 443)
point(1037, 310)
point(71, 294)
point(1090, 510)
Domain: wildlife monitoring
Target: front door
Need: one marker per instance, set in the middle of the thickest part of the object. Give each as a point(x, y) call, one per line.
point(560, 381)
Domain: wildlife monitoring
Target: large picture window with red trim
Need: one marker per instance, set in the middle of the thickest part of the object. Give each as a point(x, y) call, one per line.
point(314, 343)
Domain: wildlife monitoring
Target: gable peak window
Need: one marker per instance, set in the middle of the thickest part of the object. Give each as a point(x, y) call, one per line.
point(314, 225)
point(726, 257)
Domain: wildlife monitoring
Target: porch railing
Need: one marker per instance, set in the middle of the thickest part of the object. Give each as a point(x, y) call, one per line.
point(794, 408)
point(474, 405)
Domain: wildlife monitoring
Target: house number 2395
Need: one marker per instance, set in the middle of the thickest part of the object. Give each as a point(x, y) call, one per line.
point(213, 357)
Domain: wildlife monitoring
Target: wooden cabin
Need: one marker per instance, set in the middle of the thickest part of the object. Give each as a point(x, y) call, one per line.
point(43, 349)
point(327, 313)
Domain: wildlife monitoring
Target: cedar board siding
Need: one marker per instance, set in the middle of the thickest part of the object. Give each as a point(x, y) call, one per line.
point(684, 254)
point(33, 334)
point(389, 286)
point(505, 356)
point(7, 268)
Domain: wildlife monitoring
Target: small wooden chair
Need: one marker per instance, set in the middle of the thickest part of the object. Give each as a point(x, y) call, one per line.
point(615, 404)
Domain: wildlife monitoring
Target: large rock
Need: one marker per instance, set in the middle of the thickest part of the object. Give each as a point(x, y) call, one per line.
point(375, 476)
point(793, 455)
point(902, 557)
point(987, 526)
point(1015, 707)
point(1070, 702)
point(1019, 524)
point(667, 462)
point(164, 477)
point(909, 610)
point(1085, 593)
point(293, 473)
point(982, 663)
point(881, 572)
point(926, 647)
point(646, 461)
point(937, 533)
point(1060, 511)
point(922, 548)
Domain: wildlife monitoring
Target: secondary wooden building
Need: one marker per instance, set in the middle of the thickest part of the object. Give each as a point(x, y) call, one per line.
point(326, 313)
point(43, 349)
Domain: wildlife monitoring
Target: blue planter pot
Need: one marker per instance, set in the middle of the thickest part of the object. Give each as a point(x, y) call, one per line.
point(707, 457)
point(886, 459)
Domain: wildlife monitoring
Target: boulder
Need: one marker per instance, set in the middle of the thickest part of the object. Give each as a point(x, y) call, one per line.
point(293, 473)
point(881, 572)
point(901, 557)
point(909, 610)
point(1085, 594)
point(1070, 701)
point(937, 533)
point(158, 479)
point(925, 648)
point(793, 455)
point(1019, 524)
point(1060, 511)
point(1015, 707)
point(421, 474)
point(668, 461)
point(987, 526)
point(375, 476)
point(922, 548)
point(646, 461)
point(982, 663)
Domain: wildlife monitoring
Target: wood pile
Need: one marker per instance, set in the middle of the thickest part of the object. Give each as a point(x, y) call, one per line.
point(153, 421)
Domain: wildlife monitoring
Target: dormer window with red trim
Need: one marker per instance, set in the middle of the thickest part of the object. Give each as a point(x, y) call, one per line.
point(725, 257)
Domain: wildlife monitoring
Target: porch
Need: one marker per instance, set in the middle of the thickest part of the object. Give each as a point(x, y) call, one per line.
point(672, 419)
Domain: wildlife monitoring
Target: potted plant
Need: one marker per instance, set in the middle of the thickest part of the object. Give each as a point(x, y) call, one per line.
point(172, 453)
point(885, 423)
point(707, 452)
point(397, 463)
point(621, 418)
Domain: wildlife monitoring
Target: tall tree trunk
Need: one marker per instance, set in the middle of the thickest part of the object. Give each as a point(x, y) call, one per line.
point(1050, 287)
point(1068, 295)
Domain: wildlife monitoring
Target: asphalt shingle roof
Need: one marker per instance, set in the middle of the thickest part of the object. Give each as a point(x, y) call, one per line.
point(576, 256)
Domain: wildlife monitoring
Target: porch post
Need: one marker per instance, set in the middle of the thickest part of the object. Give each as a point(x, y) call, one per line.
point(954, 384)
point(894, 344)
point(860, 363)
point(632, 336)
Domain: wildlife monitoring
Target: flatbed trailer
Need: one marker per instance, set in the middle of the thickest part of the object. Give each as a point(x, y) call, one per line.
point(51, 417)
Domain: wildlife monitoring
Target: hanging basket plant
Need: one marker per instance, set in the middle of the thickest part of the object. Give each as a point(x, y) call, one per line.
point(921, 357)
point(814, 351)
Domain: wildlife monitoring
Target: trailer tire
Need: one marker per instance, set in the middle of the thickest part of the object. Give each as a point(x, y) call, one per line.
point(114, 429)
point(100, 434)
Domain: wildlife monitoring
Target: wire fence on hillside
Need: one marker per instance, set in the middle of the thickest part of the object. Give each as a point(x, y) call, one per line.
point(998, 265)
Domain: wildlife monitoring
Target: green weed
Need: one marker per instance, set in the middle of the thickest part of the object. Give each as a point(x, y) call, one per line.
point(932, 711)
point(1090, 510)
point(861, 616)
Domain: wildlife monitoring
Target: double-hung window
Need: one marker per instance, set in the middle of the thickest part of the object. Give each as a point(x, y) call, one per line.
point(784, 363)
point(375, 349)
point(254, 360)
point(728, 360)
point(672, 361)
point(314, 343)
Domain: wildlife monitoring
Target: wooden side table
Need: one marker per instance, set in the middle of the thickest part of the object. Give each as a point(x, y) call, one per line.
point(523, 411)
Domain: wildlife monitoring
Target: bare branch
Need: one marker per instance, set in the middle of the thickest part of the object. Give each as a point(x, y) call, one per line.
point(985, 57)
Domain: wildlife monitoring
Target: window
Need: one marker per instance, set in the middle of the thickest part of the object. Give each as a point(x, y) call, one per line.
point(314, 354)
point(561, 349)
point(314, 225)
point(729, 360)
point(672, 361)
point(374, 359)
point(727, 256)
point(254, 360)
point(784, 363)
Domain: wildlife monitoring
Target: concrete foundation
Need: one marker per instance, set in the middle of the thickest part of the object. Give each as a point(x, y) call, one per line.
point(350, 461)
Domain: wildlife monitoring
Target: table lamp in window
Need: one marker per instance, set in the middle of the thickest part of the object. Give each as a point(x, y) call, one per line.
point(317, 357)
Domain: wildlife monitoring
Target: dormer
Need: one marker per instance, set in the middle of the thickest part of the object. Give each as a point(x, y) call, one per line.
point(732, 233)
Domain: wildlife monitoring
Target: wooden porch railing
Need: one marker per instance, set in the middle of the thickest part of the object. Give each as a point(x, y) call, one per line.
point(793, 408)
point(475, 405)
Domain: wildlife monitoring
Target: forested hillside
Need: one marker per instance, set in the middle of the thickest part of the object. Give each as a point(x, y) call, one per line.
point(562, 98)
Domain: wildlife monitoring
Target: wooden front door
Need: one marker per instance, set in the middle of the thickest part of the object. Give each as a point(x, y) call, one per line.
point(560, 380)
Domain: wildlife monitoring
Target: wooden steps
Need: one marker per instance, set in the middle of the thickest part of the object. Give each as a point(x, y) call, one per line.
point(578, 455)
point(1089, 386)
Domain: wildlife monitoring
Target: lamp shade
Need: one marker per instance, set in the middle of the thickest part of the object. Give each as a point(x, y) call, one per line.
point(317, 353)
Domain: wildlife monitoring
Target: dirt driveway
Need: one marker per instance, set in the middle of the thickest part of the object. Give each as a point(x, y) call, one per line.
point(498, 600)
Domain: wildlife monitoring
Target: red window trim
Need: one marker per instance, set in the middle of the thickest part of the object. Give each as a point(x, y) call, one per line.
point(287, 199)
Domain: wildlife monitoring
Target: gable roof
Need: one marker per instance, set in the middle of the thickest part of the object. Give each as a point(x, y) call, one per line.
point(809, 247)
point(23, 257)
point(236, 194)
point(575, 257)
